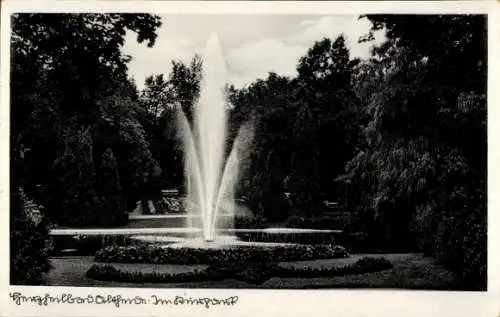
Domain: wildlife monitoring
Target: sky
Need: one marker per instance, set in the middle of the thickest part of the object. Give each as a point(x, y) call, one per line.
point(252, 45)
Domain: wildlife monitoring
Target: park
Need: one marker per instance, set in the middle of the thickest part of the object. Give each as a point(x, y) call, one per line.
point(354, 173)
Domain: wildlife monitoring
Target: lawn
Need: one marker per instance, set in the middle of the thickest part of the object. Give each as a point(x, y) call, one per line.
point(410, 271)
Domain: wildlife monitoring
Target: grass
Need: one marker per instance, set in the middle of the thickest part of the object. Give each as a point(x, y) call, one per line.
point(411, 271)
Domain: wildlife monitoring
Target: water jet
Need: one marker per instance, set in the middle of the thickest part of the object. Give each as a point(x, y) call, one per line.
point(210, 174)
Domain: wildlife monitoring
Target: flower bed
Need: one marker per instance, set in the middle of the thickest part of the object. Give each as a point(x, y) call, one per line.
point(255, 273)
point(163, 255)
point(362, 266)
point(108, 272)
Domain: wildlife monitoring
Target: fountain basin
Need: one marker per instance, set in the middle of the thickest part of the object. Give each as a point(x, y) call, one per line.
point(88, 241)
point(220, 242)
point(159, 231)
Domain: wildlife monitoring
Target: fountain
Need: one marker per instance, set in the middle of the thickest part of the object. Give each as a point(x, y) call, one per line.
point(211, 174)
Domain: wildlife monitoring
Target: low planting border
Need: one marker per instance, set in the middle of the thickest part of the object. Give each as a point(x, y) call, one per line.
point(256, 273)
point(164, 255)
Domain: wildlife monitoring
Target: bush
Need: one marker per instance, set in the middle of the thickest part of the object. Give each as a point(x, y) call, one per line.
point(249, 222)
point(110, 273)
point(254, 273)
point(321, 222)
point(457, 236)
point(170, 205)
point(78, 196)
point(299, 237)
point(73, 200)
point(161, 255)
point(29, 243)
point(111, 204)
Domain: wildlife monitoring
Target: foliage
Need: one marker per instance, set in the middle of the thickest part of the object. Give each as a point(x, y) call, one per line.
point(321, 222)
point(422, 170)
point(306, 238)
point(161, 100)
point(268, 104)
point(110, 273)
point(297, 123)
point(249, 222)
point(110, 191)
point(73, 199)
point(121, 131)
point(327, 125)
point(29, 243)
point(161, 255)
point(69, 75)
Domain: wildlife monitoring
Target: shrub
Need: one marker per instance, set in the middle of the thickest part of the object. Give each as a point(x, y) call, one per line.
point(299, 237)
point(112, 206)
point(110, 273)
point(73, 197)
point(456, 235)
point(249, 222)
point(170, 205)
point(161, 255)
point(320, 222)
point(29, 243)
point(79, 196)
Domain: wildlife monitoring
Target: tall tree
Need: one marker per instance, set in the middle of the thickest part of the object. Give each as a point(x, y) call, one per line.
point(109, 190)
point(72, 197)
point(162, 97)
point(423, 168)
point(268, 104)
point(329, 115)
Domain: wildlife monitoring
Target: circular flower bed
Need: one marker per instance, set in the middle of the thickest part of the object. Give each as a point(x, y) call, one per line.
point(255, 273)
point(220, 256)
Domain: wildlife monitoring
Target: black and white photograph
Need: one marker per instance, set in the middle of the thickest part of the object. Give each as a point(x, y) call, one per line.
point(248, 151)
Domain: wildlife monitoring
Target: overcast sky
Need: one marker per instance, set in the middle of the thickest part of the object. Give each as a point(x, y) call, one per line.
point(253, 45)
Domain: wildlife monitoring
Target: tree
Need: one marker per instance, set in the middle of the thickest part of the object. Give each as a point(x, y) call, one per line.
point(110, 191)
point(328, 114)
point(422, 171)
point(269, 106)
point(185, 84)
point(121, 130)
point(67, 69)
point(297, 124)
point(161, 99)
point(73, 200)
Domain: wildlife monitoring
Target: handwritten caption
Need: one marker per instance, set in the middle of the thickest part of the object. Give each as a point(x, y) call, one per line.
point(119, 300)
